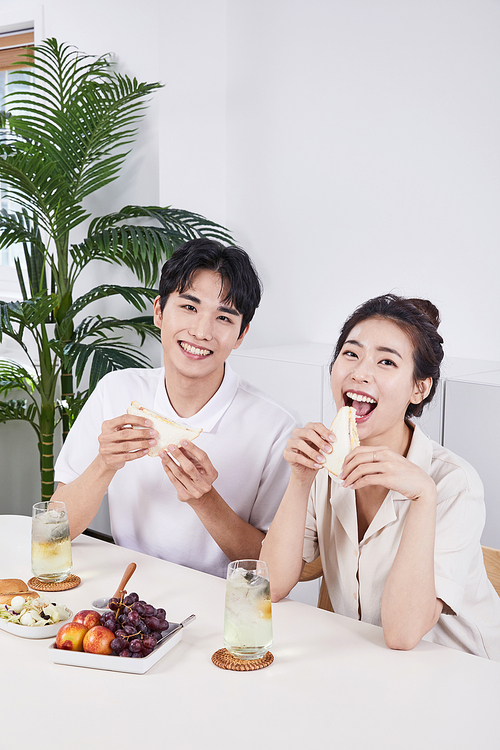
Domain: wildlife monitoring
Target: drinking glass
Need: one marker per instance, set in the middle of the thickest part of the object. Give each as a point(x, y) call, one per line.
point(248, 625)
point(51, 558)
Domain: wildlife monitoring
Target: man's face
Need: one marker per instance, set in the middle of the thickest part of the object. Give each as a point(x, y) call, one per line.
point(198, 330)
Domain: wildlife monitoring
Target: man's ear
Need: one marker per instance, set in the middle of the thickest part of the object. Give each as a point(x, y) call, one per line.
point(157, 313)
point(421, 391)
point(242, 336)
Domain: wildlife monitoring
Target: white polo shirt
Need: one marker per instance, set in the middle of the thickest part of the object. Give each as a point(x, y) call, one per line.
point(244, 435)
point(355, 573)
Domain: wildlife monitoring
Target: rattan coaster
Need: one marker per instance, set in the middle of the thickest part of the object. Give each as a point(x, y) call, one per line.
point(69, 583)
point(223, 659)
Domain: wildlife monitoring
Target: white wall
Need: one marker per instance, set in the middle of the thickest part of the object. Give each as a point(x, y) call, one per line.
point(364, 157)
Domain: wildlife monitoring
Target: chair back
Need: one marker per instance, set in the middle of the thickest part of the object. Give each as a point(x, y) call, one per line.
point(492, 564)
point(310, 572)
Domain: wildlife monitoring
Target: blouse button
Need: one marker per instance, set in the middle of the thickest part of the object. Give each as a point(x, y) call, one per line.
point(355, 595)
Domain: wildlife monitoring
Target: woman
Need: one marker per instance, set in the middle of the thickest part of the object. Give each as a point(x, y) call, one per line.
point(400, 537)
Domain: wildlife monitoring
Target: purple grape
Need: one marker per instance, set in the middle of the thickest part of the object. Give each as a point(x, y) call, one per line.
point(161, 613)
point(118, 644)
point(129, 629)
point(135, 646)
point(133, 618)
point(149, 610)
point(153, 623)
point(125, 652)
point(149, 642)
point(146, 651)
point(163, 625)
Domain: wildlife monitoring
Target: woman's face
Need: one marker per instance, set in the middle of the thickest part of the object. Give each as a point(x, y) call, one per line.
point(374, 374)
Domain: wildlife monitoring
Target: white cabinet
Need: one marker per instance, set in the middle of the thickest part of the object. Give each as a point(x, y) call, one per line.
point(472, 409)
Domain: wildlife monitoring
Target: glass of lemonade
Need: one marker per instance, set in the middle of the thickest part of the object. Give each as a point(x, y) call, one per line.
point(248, 625)
point(51, 558)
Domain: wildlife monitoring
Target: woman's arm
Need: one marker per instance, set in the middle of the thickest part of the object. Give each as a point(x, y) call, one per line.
point(409, 604)
point(284, 542)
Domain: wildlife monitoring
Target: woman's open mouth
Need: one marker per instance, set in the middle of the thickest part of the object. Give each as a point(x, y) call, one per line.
point(362, 403)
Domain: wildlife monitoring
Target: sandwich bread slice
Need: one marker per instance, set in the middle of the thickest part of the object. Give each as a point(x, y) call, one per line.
point(344, 429)
point(169, 433)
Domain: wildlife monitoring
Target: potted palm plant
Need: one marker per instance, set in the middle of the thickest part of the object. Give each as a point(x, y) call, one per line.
point(70, 121)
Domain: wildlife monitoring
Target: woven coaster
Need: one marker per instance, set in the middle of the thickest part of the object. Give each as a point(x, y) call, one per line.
point(69, 583)
point(224, 660)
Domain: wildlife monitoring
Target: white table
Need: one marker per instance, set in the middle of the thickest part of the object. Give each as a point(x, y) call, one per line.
point(333, 682)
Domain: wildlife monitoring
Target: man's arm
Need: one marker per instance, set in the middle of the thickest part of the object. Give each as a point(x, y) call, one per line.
point(193, 476)
point(118, 444)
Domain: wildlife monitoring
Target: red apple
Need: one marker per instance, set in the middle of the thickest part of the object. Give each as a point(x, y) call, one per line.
point(97, 640)
point(88, 617)
point(70, 636)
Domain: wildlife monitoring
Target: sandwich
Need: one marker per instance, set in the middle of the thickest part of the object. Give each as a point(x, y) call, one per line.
point(169, 433)
point(344, 429)
point(11, 587)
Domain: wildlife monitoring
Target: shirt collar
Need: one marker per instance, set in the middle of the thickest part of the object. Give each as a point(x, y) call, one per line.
point(213, 410)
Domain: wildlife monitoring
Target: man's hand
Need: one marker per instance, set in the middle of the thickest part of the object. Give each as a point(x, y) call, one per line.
point(191, 473)
point(120, 440)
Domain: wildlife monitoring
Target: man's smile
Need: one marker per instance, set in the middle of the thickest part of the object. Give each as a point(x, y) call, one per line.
point(191, 349)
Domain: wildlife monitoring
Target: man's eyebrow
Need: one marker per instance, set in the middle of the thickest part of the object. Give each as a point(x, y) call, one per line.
point(387, 349)
point(221, 308)
point(228, 310)
point(190, 297)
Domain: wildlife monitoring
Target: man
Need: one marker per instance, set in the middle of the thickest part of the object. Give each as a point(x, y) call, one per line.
point(202, 504)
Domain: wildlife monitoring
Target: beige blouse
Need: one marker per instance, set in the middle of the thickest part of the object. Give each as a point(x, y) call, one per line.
point(355, 574)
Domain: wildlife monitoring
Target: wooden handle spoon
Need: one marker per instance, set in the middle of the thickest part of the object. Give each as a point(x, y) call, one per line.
point(129, 570)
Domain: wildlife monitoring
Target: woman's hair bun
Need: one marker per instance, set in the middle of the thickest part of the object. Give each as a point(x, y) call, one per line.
point(427, 308)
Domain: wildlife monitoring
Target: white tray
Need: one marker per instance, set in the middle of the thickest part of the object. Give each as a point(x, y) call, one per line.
point(116, 663)
point(30, 631)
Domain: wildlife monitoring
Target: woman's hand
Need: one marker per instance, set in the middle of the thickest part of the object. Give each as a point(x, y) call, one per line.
point(380, 466)
point(305, 451)
point(193, 475)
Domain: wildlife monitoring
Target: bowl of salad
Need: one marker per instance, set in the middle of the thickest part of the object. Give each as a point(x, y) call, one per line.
point(33, 617)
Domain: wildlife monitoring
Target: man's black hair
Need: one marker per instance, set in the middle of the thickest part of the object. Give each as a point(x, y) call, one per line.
point(233, 265)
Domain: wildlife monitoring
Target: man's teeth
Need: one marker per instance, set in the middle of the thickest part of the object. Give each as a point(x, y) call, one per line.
point(194, 350)
point(359, 397)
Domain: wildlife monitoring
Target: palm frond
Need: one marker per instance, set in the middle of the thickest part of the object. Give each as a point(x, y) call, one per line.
point(103, 357)
point(28, 313)
point(72, 406)
point(96, 325)
point(81, 110)
point(14, 376)
point(19, 409)
point(136, 296)
point(141, 248)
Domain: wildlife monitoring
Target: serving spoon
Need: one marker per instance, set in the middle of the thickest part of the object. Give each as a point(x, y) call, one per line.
point(103, 603)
